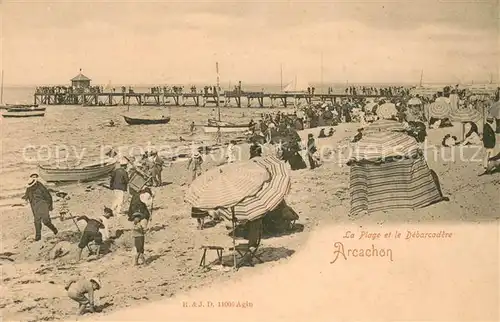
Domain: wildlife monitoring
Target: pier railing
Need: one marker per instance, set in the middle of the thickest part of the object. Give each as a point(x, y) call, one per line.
point(227, 98)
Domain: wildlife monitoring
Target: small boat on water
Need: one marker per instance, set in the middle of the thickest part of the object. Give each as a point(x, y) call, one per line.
point(213, 126)
point(18, 114)
point(136, 121)
point(82, 174)
point(26, 109)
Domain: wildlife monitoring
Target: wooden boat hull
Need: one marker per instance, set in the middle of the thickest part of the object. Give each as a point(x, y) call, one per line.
point(135, 121)
point(225, 128)
point(33, 109)
point(21, 105)
point(82, 174)
point(23, 114)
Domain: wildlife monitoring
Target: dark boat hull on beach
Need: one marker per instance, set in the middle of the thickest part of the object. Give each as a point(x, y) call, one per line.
point(135, 121)
point(25, 114)
point(81, 174)
point(26, 109)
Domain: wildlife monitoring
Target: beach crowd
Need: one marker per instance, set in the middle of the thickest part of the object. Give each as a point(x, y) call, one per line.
point(278, 129)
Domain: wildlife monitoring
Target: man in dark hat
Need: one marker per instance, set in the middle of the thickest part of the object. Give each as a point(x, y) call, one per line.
point(41, 204)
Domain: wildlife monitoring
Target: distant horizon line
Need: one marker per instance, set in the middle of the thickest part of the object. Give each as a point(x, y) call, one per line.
point(323, 84)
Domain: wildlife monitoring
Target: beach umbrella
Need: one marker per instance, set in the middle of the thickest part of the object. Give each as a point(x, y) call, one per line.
point(439, 110)
point(414, 101)
point(387, 110)
point(270, 196)
point(384, 125)
point(495, 110)
point(227, 185)
point(465, 115)
point(381, 145)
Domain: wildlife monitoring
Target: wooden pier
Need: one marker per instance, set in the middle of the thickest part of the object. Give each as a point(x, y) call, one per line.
point(227, 98)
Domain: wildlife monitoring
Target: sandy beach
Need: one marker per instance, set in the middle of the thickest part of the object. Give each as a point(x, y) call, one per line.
point(33, 287)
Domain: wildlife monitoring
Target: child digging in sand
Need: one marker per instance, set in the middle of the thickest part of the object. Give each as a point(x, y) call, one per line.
point(77, 291)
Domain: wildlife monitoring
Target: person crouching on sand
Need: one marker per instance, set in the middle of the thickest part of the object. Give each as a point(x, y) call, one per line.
point(138, 232)
point(77, 291)
point(90, 233)
point(41, 204)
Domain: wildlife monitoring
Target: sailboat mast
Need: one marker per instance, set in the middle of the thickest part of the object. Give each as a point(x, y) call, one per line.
point(321, 72)
point(217, 71)
point(1, 91)
point(281, 77)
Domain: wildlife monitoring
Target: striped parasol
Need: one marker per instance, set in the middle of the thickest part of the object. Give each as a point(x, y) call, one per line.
point(270, 196)
point(227, 185)
point(414, 101)
point(387, 111)
point(381, 145)
point(384, 125)
point(495, 110)
point(439, 110)
point(465, 115)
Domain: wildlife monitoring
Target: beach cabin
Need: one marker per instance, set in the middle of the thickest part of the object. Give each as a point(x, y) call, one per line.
point(80, 81)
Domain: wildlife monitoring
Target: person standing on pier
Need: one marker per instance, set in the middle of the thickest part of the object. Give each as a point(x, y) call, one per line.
point(41, 204)
point(119, 185)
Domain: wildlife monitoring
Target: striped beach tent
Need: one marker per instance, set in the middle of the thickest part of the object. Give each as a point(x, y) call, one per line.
point(401, 184)
point(381, 145)
point(270, 196)
point(465, 115)
point(384, 125)
point(227, 185)
point(387, 111)
point(439, 110)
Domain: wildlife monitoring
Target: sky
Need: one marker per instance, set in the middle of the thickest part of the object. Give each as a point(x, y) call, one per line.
point(179, 42)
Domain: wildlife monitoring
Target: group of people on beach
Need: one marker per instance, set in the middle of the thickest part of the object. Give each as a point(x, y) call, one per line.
point(279, 129)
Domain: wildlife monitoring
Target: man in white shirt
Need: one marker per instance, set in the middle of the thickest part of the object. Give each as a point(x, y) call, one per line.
point(105, 232)
point(230, 152)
